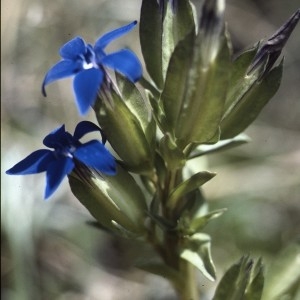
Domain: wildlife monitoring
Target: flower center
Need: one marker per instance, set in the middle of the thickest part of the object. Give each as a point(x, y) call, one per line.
point(89, 58)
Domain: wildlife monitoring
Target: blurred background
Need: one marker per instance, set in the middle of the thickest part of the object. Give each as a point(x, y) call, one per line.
point(47, 249)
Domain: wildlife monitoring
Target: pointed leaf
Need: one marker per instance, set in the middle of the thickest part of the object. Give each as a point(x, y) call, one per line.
point(174, 91)
point(239, 83)
point(160, 31)
point(199, 223)
point(151, 40)
point(255, 288)
point(187, 186)
point(205, 96)
point(196, 250)
point(233, 284)
point(177, 23)
point(220, 146)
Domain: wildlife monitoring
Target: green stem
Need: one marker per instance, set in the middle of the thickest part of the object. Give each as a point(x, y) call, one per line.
point(168, 247)
point(189, 287)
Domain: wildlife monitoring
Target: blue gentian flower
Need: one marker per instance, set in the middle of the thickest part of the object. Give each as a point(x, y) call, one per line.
point(88, 64)
point(67, 150)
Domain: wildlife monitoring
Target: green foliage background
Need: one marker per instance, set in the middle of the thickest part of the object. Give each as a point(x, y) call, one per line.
point(48, 251)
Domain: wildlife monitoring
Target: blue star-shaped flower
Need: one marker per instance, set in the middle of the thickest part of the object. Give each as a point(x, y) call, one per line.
point(87, 64)
point(61, 161)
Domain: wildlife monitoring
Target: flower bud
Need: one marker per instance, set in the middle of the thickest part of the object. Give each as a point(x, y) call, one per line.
point(116, 202)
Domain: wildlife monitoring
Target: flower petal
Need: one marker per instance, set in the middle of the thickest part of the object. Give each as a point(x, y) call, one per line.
point(53, 139)
point(85, 127)
point(93, 154)
point(56, 172)
point(35, 162)
point(125, 62)
point(62, 69)
point(86, 85)
point(103, 41)
point(73, 48)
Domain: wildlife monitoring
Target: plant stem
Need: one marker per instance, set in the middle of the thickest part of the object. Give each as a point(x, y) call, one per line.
point(189, 288)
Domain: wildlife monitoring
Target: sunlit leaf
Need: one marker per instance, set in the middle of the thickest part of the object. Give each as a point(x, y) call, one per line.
point(220, 146)
point(199, 223)
point(160, 31)
point(196, 250)
point(204, 99)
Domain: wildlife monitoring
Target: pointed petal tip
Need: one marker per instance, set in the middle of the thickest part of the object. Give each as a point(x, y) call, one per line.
point(44, 90)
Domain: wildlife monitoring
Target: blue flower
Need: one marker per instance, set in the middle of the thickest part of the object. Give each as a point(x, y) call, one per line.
point(88, 64)
point(67, 150)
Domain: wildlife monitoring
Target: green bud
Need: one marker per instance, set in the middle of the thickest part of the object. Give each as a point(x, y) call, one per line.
point(128, 126)
point(254, 81)
point(116, 202)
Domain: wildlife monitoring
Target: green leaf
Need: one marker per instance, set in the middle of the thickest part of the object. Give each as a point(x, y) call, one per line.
point(139, 106)
point(204, 97)
point(196, 250)
point(176, 25)
point(160, 31)
point(151, 40)
point(125, 133)
point(199, 223)
point(240, 83)
point(173, 94)
point(246, 110)
point(255, 288)
point(158, 112)
point(116, 202)
point(187, 186)
point(233, 284)
point(196, 205)
point(220, 146)
point(283, 275)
